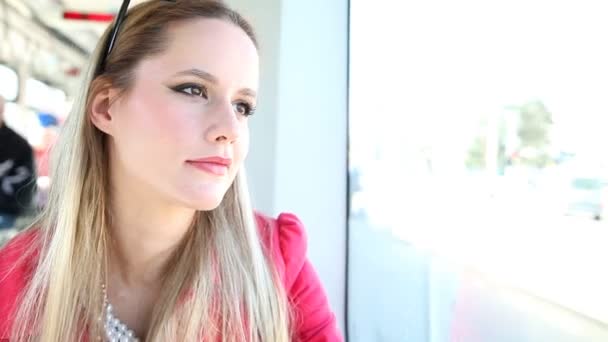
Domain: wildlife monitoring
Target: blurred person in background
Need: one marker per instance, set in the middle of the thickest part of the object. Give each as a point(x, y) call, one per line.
point(148, 231)
point(17, 174)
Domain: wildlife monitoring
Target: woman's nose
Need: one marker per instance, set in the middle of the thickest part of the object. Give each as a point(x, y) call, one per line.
point(224, 124)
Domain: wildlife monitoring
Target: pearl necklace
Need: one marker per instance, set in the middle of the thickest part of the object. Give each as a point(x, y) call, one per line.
point(116, 331)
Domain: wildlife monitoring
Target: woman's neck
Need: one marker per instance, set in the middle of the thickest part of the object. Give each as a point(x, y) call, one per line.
point(143, 237)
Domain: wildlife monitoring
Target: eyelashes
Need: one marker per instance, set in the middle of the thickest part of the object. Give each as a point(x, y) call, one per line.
point(191, 89)
point(241, 107)
point(244, 108)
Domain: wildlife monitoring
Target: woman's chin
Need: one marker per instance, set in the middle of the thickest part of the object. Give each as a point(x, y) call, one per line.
point(203, 198)
point(205, 203)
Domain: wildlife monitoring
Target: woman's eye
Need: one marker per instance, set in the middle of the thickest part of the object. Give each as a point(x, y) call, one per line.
point(243, 108)
point(193, 90)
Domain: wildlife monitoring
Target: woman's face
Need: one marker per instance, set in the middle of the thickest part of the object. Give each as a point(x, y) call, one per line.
point(182, 131)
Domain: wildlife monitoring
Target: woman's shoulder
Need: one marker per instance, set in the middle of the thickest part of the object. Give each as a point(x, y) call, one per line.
point(17, 260)
point(19, 250)
point(284, 238)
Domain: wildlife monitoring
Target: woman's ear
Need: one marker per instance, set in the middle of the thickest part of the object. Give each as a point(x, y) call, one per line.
point(100, 109)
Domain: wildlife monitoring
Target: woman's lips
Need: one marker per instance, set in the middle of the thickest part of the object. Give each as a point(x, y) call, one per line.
point(214, 165)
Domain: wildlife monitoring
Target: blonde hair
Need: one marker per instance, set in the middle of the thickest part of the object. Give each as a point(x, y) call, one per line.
point(220, 285)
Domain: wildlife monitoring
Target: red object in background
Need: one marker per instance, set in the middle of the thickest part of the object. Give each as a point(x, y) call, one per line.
point(42, 162)
point(102, 17)
point(73, 71)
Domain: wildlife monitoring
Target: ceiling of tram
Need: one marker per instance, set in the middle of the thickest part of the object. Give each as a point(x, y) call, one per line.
point(82, 33)
point(55, 49)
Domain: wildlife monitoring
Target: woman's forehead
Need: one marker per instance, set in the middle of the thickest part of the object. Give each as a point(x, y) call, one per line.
point(215, 46)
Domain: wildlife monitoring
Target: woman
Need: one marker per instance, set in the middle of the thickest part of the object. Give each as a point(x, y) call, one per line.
point(148, 231)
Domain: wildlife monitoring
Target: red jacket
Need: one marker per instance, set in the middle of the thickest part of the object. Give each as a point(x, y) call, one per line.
point(285, 240)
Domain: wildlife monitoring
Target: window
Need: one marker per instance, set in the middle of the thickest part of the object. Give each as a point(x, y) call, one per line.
point(43, 97)
point(9, 83)
point(478, 165)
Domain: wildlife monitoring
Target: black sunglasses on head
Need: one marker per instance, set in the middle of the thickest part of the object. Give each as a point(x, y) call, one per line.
point(122, 13)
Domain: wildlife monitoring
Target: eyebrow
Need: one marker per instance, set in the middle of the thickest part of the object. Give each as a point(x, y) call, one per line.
point(247, 92)
point(212, 79)
point(198, 73)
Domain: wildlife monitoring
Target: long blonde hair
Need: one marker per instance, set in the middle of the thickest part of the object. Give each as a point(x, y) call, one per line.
point(221, 285)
